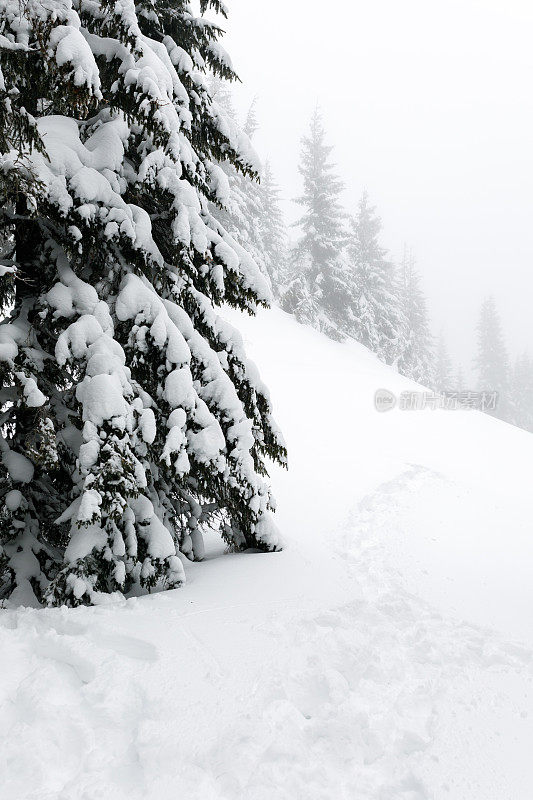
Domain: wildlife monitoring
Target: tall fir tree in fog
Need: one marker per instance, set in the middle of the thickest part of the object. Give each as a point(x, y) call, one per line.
point(444, 377)
point(273, 230)
point(491, 360)
point(131, 417)
point(311, 291)
point(416, 359)
point(378, 321)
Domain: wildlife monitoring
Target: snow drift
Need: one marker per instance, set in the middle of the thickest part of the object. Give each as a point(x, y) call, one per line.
point(384, 654)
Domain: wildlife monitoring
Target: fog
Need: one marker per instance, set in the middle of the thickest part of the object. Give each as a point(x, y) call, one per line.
point(429, 108)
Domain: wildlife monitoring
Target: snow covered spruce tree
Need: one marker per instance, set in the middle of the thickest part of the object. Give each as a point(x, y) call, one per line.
point(314, 283)
point(131, 417)
point(491, 360)
point(416, 357)
point(273, 230)
point(378, 320)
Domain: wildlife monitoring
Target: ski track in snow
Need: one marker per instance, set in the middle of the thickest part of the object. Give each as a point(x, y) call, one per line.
point(380, 698)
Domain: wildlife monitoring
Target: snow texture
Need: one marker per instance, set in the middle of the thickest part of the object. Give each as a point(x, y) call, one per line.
point(385, 654)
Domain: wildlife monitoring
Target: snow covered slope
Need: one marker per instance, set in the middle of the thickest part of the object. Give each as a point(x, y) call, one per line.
point(383, 655)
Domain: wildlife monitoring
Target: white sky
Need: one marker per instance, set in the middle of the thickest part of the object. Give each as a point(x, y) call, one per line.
point(429, 106)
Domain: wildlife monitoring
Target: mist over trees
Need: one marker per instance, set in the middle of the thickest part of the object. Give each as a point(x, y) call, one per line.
point(444, 379)
point(313, 282)
point(521, 392)
point(417, 357)
point(342, 281)
point(377, 314)
point(495, 372)
point(491, 361)
point(336, 276)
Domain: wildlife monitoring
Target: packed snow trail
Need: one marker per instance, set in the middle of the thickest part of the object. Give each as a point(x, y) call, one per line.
point(383, 655)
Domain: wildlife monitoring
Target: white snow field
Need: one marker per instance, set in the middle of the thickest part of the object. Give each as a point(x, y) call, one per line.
point(385, 654)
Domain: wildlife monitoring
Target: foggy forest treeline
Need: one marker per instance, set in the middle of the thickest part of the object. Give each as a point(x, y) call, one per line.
point(334, 274)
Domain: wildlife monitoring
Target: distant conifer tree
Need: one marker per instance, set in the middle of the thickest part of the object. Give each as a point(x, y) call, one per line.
point(443, 366)
point(312, 292)
point(377, 316)
point(417, 357)
point(491, 360)
point(522, 392)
